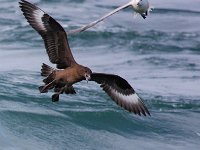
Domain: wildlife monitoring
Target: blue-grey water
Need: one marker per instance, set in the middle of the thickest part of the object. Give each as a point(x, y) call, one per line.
point(159, 56)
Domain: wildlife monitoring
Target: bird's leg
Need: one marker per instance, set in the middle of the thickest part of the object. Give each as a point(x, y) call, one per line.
point(143, 16)
point(69, 90)
point(55, 97)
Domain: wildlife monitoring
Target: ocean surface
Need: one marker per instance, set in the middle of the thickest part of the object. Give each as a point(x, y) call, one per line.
point(158, 56)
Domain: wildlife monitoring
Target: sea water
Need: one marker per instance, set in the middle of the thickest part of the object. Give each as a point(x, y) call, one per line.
point(158, 56)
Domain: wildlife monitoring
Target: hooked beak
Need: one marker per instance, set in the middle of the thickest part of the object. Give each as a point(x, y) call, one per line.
point(87, 77)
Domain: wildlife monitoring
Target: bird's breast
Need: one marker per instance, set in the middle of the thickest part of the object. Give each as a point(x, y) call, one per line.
point(68, 76)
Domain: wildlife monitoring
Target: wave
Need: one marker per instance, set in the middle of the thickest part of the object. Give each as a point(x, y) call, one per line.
point(175, 11)
point(148, 41)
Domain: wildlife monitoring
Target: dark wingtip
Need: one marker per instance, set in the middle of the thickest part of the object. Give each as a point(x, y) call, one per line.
point(22, 2)
point(140, 108)
point(146, 110)
point(143, 113)
point(148, 113)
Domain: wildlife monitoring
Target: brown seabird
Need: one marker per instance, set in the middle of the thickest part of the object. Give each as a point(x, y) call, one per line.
point(68, 71)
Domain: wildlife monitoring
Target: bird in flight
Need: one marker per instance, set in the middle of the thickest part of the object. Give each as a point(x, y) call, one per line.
point(139, 6)
point(68, 71)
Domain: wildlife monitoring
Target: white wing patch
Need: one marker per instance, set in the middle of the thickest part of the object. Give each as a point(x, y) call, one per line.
point(130, 102)
point(38, 14)
point(130, 99)
point(121, 93)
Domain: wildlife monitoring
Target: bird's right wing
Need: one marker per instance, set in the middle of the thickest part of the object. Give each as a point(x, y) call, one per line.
point(121, 92)
point(52, 32)
point(97, 21)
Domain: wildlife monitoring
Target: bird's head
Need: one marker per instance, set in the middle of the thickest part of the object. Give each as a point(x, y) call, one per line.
point(140, 6)
point(85, 73)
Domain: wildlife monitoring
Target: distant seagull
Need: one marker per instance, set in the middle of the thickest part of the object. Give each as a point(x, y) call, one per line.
point(139, 6)
point(68, 71)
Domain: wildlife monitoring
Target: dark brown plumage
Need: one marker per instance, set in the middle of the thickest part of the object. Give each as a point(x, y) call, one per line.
point(68, 71)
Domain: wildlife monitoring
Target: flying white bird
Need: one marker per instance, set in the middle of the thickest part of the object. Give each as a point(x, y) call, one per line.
point(139, 6)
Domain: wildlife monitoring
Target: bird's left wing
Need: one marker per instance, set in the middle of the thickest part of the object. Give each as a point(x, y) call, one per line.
point(53, 34)
point(121, 92)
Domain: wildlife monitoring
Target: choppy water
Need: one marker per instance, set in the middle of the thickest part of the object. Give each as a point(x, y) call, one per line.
point(159, 56)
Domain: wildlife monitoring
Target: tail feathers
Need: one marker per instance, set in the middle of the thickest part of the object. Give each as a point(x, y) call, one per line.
point(44, 89)
point(49, 78)
point(41, 89)
point(46, 70)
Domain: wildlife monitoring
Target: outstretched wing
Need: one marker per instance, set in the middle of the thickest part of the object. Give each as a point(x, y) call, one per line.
point(54, 36)
point(121, 92)
point(99, 20)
